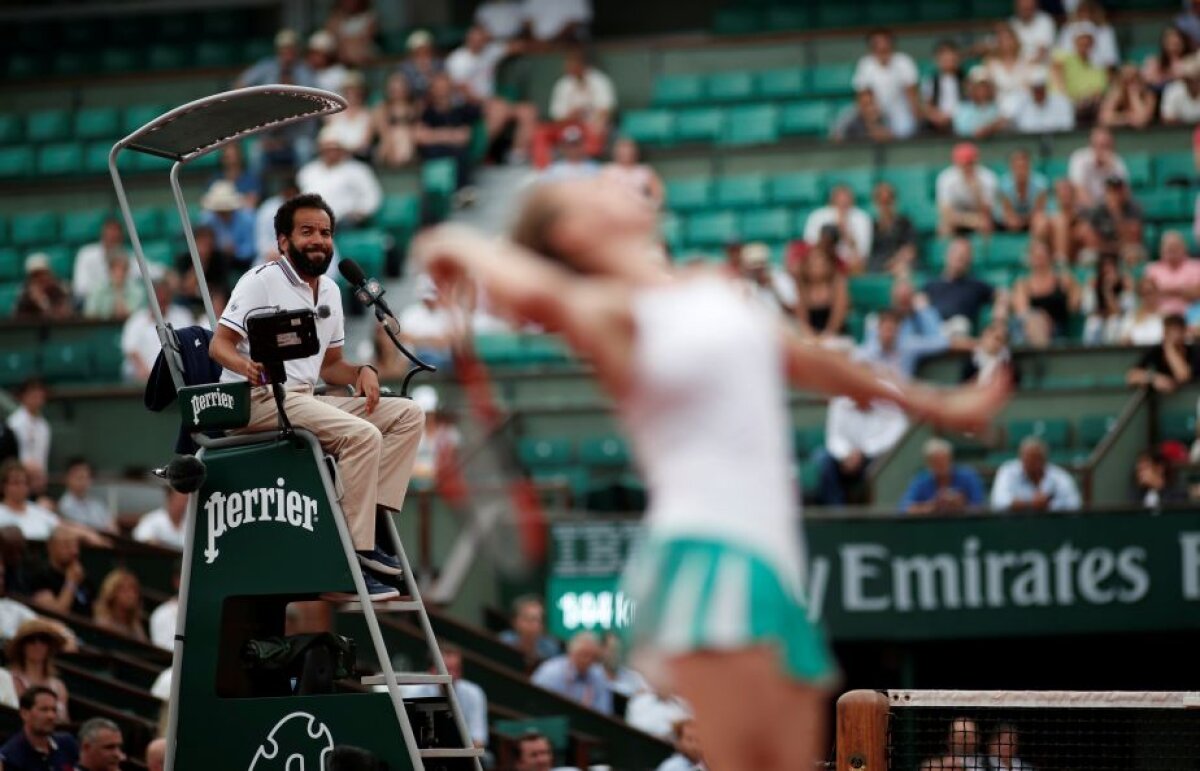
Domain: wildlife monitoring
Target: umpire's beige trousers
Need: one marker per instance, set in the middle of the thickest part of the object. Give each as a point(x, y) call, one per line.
point(375, 452)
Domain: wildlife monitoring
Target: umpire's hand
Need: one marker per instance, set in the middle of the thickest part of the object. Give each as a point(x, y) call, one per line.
point(368, 386)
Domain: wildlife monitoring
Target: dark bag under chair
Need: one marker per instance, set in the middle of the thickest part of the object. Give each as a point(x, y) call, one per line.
point(313, 661)
point(348, 758)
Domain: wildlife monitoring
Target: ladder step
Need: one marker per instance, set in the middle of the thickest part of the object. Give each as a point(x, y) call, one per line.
point(409, 678)
point(387, 606)
point(441, 752)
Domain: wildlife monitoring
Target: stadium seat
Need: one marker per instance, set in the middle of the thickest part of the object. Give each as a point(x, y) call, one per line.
point(66, 361)
point(860, 182)
point(72, 61)
point(937, 10)
point(742, 191)
point(366, 247)
point(789, 83)
point(870, 293)
point(60, 158)
point(1005, 250)
point(62, 260)
point(543, 452)
point(82, 226)
point(165, 56)
point(97, 123)
point(807, 439)
point(730, 86)
point(922, 212)
point(833, 79)
point(1138, 165)
point(782, 18)
point(751, 125)
point(678, 90)
point(24, 65)
point(139, 115)
point(670, 227)
point(216, 53)
point(224, 23)
point(1164, 203)
point(16, 161)
point(160, 252)
point(31, 228)
point(1055, 168)
point(797, 188)
point(1174, 169)
point(839, 15)
point(11, 268)
point(648, 126)
point(909, 181)
point(113, 60)
point(608, 451)
point(545, 349)
point(399, 212)
point(699, 124)
point(888, 12)
point(1179, 425)
point(438, 180)
point(712, 229)
point(498, 349)
point(738, 21)
point(256, 49)
point(1055, 432)
point(150, 222)
point(16, 365)
point(48, 126)
point(11, 128)
point(689, 194)
point(804, 119)
point(107, 357)
point(767, 225)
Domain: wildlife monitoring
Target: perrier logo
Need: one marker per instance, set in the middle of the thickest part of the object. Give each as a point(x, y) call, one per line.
point(256, 506)
point(208, 400)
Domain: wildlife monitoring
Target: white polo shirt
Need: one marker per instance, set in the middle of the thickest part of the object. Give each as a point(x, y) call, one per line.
point(277, 286)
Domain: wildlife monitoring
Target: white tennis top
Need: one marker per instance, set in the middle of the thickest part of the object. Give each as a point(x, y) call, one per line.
point(709, 422)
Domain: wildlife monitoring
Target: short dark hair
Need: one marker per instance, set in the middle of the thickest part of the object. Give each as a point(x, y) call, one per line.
point(532, 735)
point(1175, 320)
point(887, 314)
point(285, 218)
point(523, 600)
point(78, 460)
point(878, 31)
point(945, 45)
point(29, 698)
point(28, 383)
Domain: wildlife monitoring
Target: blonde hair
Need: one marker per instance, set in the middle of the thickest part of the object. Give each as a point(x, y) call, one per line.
point(103, 613)
point(539, 212)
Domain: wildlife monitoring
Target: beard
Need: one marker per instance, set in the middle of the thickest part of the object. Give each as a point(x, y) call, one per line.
point(311, 263)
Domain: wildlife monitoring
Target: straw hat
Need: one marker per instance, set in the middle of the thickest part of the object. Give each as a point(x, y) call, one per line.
point(35, 262)
point(755, 254)
point(419, 39)
point(323, 41)
point(222, 196)
point(35, 627)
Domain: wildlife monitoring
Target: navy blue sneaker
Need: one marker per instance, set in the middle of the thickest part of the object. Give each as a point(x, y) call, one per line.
point(377, 591)
point(380, 562)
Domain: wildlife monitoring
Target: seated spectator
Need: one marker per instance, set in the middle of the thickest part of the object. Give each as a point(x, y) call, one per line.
point(1106, 301)
point(766, 284)
point(31, 656)
point(216, 266)
point(624, 681)
point(421, 65)
point(656, 711)
point(77, 503)
point(43, 296)
point(822, 296)
point(862, 121)
point(101, 746)
point(139, 336)
point(232, 225)
point(156, 754)
point(37, 746)
point(1090, 168)
point(528, 632)
point(165, 618)
point(1174, 49)
point(444, 130)
point(1010, 73)
point(349, 186)
point(119, 605)
point(991, 356)
point(1067, 222)
point(573, 161)
point(16, 510)
point(942, 487)
point(233, 170)
point(1189, 21)
point(439, 438)
point(471, 698)
point(1105, 53)
point(1021, 197)
point(942, 91)
point(32, 431)
point(1030, 483)
point(583, 97)
point(287, 146)
point(63, 586)
point(1170, 364)
point(1175, 274)
point(166, 525)
point(1042, 111)
point(1114, 225)
point(1181, 98)
point(353, 25)
point(1035, 30)
point(561, 21)
point(503, 19)
point(962, 750)
point(958, 297)
point(892, 77)
point(1143, 324)
point(628, 170)
point(1154, 484)
point(328, 72)
point(266, 245)
point(893, 237)
point(472, 68)
point(1045, 299)
point(906, 333)
point(353, 125)
point(12, 615)
point(1076, 76)
point(856, 434)
point(395, 118)
point(854, 228)
point(1128, 102)
point(285, 66)
point(426, 327)
point(119, 296)
point(979, 117)
point(688, 754)
point(577, 674)
point(534, 753)
point(966, 194)
point(91, 265)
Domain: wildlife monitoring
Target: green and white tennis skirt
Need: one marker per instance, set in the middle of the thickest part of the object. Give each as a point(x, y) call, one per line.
point(701, 594)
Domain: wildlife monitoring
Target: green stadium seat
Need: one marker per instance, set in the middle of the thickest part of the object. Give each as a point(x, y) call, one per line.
point(107, 357)
point(160, 252)
point(839, 15)
point(366, 247)
point(909, 181)
point(730, 86)
point(216, 53)
point(120, 60)
point(833, 79)
point(712, 229)
point(16, 161)
point(399, 212)
point(738, 21)
point(31, 228)
point(1055, 432)
point(80, 227)
point(670, 228)
point(498, 349)
point(60, 158)
point(805, 119)
point(66, 362)
point(167, 56)
point(11, 267)
point(1055, 168)
point(938, 10)
point(48, 126)
point(546, 349)
point(150, 222)
point(923, 213)
point(62, 260)
point(1179, 425)
point(11, 128)
point(1164, 203)
point(256, 49)
point(789, 83)
point(95, 158)
point(24, 65)
point(870, 293)
point(1005, 250)
point(781, 18)
point(1139, 167)
point(678, 90)
point(797, 188)
point(139, 115)
point(545, 452)
point(1174, 169)
point(742, 191)
point(767, 225)
point(439, 176)
point(18, 364)
point(97, 123)
point(751, 125)
point(648, 127)
point(807, 439)
point(689, 193)
point(608, 451)
point(860, 181)
point(699, 124)
point(72, 61)
point(889, 12)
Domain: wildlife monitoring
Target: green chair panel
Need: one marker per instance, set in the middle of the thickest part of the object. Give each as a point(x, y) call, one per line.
point(1006, 250)
point(150, 222)
point(788, 83)
point(888, 12)
point(836, 15)
point(730, 86)
point(751, 125)
point(80, 227)
point(72, 61)
point(16, 161)
point(160, 252)
point(802, 187)
point(97, 123)
point(1165, 203)
point(66, 362)
point(923, 213)
point(699, 124)
point(747, 190)
point(1093, 429)
point(651, 126)
point(1055, 432)
point(833, 79)
point(60, 158)
point(688, 194)
point(712, 229)
point(18, 364)
point(909, 181)
point(11, 267)
point(805, 119)
point(22, 65)
point(216, 53)
point(1177, 425)
point(139, 115)
point(678, 90)
point(167, 56)
point(366, 247)
point(12, 129)
point(1139, 167)
point(938, 10)
point(670, 228)
point(1174, 168)
point(609, 451)
point(788, 17)
point(62, 260)
point(738, 21)
point(1055, 168)
point(399, 212)
point(256, 49)
point(860, 181)
point(120, 60)
point(48, 126)
point(32, 228)
point(438, 176)
point(95, 157)
point(870, 293)
point(767, 225)
point(541, 452)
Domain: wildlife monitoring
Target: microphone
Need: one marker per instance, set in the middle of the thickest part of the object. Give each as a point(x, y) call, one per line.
point(368, 290)
point(185, 473)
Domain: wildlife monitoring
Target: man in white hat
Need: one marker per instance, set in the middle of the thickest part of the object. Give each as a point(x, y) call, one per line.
point(43, 296)
point(328, 72)
point(1042, 111)
point(348, 185)
point(472, 68)
point(232, 224)
point(285, 66)
point(421, 64)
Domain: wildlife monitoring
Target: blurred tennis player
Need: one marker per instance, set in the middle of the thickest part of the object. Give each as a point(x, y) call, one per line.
point(699, 375)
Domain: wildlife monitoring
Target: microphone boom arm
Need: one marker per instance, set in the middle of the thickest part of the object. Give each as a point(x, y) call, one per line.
point(418, 365)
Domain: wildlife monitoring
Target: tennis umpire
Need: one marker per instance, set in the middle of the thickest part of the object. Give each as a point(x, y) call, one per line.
point(374, 440)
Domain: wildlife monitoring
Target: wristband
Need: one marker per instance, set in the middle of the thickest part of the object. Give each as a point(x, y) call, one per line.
point(367, 366)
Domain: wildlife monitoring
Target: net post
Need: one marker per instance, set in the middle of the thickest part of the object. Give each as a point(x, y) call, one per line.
point(862, 718)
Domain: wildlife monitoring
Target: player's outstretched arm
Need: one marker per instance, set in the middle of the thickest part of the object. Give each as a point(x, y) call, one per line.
point(967, 408)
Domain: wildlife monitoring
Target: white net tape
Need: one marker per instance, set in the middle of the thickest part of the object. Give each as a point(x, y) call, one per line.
point(1046, 699)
